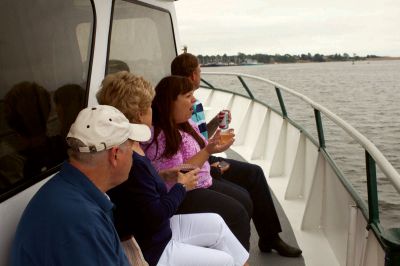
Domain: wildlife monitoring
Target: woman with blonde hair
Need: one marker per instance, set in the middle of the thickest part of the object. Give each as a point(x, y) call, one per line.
point(144, 207)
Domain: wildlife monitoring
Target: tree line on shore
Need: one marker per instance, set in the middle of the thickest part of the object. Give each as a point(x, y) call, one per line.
point(242, 58)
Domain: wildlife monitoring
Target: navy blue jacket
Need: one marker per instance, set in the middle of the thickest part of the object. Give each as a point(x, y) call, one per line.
point(68, 222)
point(143, 208)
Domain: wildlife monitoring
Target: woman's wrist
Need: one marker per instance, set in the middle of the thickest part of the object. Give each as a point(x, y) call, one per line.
point(207, 151)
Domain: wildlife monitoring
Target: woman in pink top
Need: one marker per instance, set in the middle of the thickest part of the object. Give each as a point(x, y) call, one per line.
point(182, 156)
point(177, 141)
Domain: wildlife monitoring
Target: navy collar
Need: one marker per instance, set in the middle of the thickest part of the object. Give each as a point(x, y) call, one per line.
point(72, 175)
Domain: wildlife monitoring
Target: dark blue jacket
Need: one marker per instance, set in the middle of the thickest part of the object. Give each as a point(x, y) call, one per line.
point(144, 207)
point(67, 222)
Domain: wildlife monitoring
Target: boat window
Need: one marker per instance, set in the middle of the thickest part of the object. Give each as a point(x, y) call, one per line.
point(142, 40)
point(44, 68)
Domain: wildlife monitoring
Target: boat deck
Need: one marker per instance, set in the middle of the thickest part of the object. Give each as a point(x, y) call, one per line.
point(258, 258)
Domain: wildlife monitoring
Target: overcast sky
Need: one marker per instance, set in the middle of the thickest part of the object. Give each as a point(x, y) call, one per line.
point(290, 26)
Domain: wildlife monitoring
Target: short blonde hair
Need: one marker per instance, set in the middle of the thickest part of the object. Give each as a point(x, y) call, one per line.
point(128, 93)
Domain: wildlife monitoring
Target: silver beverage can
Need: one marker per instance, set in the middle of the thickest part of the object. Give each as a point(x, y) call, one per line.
point(223, 119)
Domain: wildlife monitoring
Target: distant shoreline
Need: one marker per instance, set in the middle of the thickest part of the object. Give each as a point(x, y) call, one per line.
point(382, 58)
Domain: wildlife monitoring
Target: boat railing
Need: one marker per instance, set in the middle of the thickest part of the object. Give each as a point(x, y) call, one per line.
point(373, 156)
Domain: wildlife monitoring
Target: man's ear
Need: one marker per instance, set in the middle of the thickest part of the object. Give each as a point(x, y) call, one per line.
point(113, 156)
point(192, 76)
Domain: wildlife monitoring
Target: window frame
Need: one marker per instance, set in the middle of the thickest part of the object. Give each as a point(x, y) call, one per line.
point(141, 4)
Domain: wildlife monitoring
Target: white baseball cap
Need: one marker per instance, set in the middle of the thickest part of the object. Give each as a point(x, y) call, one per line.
point(102, 127)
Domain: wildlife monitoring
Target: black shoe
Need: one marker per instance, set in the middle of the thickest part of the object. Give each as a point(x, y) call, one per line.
point(280, 246)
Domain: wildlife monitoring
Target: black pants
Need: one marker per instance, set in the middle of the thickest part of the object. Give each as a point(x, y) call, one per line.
point(251, 177)
point(230, 201)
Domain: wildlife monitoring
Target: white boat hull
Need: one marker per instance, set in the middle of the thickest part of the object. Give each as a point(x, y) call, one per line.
point(328, 225)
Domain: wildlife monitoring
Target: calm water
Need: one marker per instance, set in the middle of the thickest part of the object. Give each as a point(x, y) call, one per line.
point(365, 94)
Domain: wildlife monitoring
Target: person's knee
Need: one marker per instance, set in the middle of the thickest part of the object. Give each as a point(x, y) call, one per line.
point(216, 218)
point(257, 176)
point(216, 222)
point(255, 170)
point(244, 198)
point(236, 216)
point(258, 169)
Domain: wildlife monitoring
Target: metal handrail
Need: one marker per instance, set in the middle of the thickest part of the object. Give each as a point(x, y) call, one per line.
point(385, 166)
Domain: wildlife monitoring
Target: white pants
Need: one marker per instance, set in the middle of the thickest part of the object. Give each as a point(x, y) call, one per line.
point(202, 239)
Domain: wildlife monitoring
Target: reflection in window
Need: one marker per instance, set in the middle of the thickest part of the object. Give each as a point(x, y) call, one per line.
point(43, 74)
point(142, 41)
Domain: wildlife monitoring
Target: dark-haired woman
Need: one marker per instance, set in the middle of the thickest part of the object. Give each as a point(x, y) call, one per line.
point(176, 140)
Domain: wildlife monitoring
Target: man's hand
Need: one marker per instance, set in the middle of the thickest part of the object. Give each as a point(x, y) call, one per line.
point(222, 166)
point(214, 123)
point(220, 115)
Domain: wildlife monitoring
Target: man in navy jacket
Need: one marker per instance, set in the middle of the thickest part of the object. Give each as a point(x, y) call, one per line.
point(69, 220)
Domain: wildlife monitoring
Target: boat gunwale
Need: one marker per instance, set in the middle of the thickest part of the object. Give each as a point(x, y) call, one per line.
point(385, 166)
point(377, 229)
point(360, 202)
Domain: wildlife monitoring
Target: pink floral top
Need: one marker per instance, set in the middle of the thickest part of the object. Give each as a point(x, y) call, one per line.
point(189, 147)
